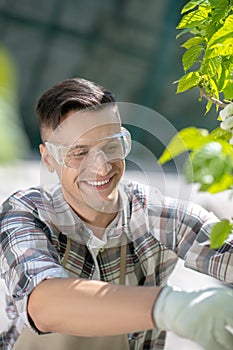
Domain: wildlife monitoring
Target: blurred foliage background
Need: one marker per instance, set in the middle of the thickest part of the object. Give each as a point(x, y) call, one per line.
point(129, 46)
point(13, 141)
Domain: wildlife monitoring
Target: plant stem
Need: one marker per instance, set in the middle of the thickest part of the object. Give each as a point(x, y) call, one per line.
point(214, 100)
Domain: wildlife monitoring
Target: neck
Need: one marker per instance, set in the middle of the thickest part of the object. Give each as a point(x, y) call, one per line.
point(96, 220)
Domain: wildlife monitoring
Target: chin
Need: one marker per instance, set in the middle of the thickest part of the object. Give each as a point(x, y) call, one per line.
point(104, 204)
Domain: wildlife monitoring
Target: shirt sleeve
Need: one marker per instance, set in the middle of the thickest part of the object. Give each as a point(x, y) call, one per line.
point(192, 230)
point(27, 257)
point(184, 228)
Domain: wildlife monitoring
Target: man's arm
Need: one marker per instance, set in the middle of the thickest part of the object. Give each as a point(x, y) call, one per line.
point(91, 308)
point(94, 308)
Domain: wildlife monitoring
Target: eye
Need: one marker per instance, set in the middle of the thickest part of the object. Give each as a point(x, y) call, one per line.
point(112, 147)
point(77, 152)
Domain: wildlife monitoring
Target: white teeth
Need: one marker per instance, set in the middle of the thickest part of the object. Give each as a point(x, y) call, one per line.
point(98, 183)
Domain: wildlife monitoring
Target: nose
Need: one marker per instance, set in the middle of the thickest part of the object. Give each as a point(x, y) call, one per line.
point(101, 164)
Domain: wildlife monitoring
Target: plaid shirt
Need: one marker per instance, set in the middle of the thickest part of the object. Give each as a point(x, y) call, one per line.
point(35, 225)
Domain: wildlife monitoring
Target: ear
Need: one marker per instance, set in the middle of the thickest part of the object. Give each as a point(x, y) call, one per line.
point(47, 158)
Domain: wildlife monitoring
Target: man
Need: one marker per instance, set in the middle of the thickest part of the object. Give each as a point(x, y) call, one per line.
point(68, 248)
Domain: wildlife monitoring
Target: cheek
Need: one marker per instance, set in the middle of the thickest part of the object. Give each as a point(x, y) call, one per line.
point(68, 176)
point(121, 166)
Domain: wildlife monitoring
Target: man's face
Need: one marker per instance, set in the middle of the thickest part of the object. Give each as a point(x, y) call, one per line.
point(90, 175)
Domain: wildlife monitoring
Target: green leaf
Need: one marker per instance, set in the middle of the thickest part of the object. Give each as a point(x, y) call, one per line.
point(191, 5)
point(219, 133)
point(208, 107)
point(184, 31)
point(219, 233)
point(214, 3)
point(221, 49)
point(224, 183)
point(191, 56)
point(187, 139)
point(211, 66)
point(222, 78)
point(228, 89)
point(224, 32)
point(194, 18)
point(188, 81)
point(211, 165)
point(193, 42)
point(227, 150)
point(220, 10)
point(213, 88)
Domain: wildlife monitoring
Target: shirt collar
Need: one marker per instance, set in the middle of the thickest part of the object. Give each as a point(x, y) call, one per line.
point(56, 211)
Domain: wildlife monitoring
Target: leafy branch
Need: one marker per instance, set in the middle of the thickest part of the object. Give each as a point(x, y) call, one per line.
point(211, 98)
point(208, 66)
point(208, 59)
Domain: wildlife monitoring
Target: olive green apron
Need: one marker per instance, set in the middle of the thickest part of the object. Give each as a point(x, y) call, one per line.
point(28, 340)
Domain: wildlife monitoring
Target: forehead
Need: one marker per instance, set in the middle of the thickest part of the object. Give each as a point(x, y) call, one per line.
point(87, 124)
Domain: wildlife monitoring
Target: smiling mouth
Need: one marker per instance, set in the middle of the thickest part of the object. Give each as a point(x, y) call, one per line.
point(99, 183)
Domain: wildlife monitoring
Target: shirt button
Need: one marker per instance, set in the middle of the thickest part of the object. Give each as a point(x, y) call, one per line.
point(101, 250)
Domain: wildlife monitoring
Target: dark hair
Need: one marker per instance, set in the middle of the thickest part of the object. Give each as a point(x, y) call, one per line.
point(70, 94)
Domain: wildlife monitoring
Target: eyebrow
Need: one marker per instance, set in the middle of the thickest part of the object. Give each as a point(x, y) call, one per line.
point(89, 141)
point(77, 146)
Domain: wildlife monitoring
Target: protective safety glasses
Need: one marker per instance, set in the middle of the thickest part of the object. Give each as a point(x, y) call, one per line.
point(110, 148)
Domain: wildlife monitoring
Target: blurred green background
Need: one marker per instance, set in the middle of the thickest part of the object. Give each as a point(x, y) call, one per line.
point(129, 46)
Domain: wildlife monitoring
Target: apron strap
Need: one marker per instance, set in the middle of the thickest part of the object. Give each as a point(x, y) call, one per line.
point(67, 252)
point(123, 259)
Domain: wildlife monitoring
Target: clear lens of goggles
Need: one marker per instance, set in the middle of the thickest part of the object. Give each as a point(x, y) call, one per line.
point(112, 148)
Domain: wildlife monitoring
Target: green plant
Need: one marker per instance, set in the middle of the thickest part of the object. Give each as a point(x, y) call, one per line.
point(208, 66)
point(13, 141)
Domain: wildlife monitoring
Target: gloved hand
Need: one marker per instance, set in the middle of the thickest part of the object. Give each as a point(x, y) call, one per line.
point(201, 316)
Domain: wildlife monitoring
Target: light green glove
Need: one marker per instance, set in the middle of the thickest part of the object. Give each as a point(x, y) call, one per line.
point(204, 316)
